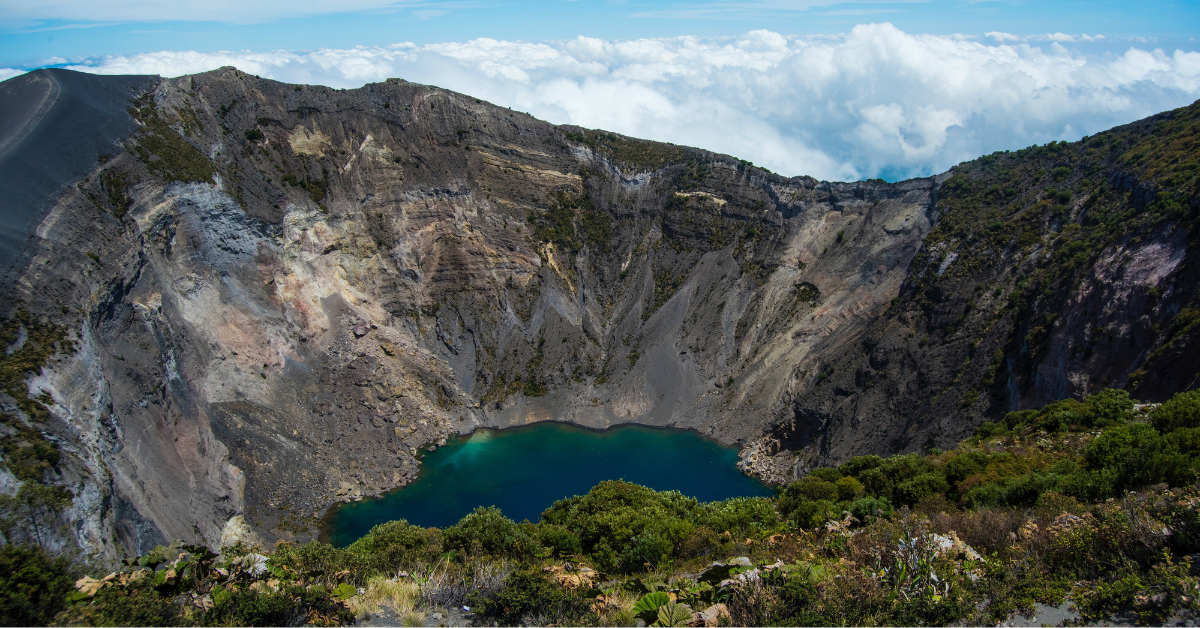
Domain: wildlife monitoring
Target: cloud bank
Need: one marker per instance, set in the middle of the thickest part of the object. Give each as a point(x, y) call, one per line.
point(875, 102)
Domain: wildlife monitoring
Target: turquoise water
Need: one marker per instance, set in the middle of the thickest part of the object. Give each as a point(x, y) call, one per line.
point(526, 469)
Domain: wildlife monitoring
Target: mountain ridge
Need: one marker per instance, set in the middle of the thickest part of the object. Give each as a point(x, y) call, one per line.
point(286, 291)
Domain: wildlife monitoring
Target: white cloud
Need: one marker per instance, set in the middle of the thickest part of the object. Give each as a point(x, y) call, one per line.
point(876, 101)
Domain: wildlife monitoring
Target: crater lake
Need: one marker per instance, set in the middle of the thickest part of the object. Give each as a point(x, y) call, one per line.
point(523, 470)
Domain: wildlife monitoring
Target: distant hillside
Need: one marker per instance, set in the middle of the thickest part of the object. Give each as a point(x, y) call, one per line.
point(1052, 272)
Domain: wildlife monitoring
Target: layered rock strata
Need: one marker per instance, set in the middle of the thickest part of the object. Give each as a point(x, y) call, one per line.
point(278, 294)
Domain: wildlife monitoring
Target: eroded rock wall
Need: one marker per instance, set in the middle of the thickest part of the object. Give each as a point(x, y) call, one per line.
point(279, 312)
point(369, 271)
point(1052, 272)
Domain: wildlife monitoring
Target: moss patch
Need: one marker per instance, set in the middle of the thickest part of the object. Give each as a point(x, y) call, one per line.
point(629, 151)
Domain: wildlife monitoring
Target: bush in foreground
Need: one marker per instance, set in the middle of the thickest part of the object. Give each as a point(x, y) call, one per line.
point(1084, 500)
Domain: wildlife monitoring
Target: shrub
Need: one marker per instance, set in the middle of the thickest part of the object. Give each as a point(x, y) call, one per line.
point(848, 488)
point(560, 540)
point(1182, 410)
point(389, 545)
point(35, 513)
point(486, 531)
point(316, 190)
point(290, 606)
point(808, 488)
point(990, 429)
point(962, 467)
point(623, 526)
point(529, 598)
point(123, 606)
point(166, 153)
point(858, 464)
point(316, 557)
point(33, 585)
point(1019, 491)
point(809, 514)
point(653, 546)
point(1109, 406)
point(829, 474)
point(1112, 448)
point(1136, 455)
point(739, 515)
point(912, 491)
point(868, 509)
point(1013, 420)
point(702, 542)
point(883, 480)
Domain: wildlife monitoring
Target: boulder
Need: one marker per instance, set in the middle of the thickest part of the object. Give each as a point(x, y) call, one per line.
point(235, 530)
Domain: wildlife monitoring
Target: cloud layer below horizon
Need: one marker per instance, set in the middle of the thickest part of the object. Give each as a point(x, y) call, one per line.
point(875, 102)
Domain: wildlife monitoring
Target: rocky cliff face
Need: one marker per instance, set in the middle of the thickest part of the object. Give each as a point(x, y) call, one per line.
point(271, 296)
point(1053, 272)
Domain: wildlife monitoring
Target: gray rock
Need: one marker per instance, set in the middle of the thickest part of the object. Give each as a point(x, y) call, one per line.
point(219, 370)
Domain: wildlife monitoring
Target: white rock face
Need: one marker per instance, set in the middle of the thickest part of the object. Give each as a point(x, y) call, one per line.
point(236, 531)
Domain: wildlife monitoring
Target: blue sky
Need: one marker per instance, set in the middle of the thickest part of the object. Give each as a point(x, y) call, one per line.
point(38, 31)
point(838, 90)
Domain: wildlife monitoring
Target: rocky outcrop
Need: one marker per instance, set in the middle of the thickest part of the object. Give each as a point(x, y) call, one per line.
point(1053, 272)
point(278, 294)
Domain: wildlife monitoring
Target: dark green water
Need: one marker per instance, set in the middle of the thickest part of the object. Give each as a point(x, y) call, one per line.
point(526, 469)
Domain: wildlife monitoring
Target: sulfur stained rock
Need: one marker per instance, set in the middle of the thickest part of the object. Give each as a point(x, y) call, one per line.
point(237, 531)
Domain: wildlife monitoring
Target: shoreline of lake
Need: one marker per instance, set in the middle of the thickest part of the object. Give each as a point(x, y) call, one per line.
point(704, 459)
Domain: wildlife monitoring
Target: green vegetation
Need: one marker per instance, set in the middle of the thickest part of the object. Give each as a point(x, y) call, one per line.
point(1169, 156)
point(665, 287)
point(315, 187)
point(1091, 500)
point(694, 173)
point(534, 387)
point(30, 343)
point(806, 293)
point(189, 585)
point(34, 513)
point(631, 152)
point(571, 223)
point(530, 597)
point(34, 586)
point(1030, 225)
point(1012, 463)
point(164, 151)
point(113, 195)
